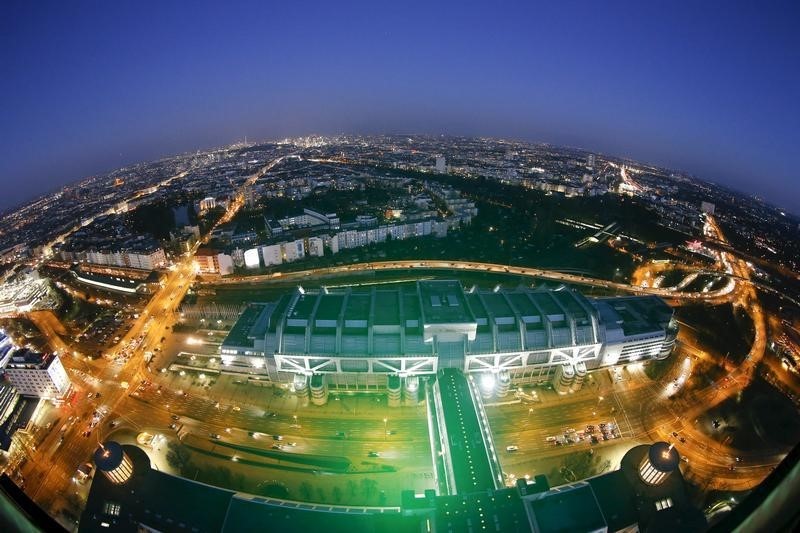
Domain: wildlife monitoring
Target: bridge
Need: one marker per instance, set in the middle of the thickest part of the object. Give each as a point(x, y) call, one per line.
point(463, 452)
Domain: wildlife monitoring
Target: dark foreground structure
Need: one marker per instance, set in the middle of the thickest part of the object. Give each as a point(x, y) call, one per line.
point(619, 500)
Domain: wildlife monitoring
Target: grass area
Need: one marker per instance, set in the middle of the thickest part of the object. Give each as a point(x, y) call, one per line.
point(379, 487)
point(656, 369)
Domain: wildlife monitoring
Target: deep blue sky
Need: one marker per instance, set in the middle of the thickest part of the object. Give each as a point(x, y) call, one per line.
point(86, 87)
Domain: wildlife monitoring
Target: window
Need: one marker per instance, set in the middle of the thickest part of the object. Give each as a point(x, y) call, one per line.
point(666, 503)
point(111, 509)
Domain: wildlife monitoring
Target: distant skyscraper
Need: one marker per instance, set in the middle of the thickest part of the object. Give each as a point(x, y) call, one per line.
point(707, 207)
point(590, 161)
point(441, 166)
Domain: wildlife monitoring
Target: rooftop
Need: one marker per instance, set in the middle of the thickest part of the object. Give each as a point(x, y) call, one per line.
point(443, 302)
point(413, 313)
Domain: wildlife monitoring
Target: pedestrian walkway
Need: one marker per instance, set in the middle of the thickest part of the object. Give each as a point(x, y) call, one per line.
point(464, 444)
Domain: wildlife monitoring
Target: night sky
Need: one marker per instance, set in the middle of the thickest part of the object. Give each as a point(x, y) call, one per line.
point(86, 87)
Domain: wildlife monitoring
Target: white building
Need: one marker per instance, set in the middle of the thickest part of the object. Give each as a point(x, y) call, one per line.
point(707, 207)
point(293, 251)
point(210, 261)
point(356, 337)
point(145, 260)
point(272, 254)
point(225, 264)
point(36, 374)
point(315, 247)
point(251, 258)
point(310, 218)
point(208, 203)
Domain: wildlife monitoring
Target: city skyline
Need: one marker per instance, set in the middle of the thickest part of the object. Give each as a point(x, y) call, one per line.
point(634, 81)
point(399, 267)
point(364, 308)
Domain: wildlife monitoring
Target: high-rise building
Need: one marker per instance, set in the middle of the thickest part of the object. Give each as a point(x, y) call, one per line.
point(590, 161)
point(441, 165)
point(707, 207)
point(36, 374)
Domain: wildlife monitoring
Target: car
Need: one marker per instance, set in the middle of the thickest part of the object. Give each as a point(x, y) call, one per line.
point(97, 395)
point(236, 408)
point(674, 433)
point(215, 436)
point(682, 439)
point(373, 454)
point(512, 448)
point(173, 426)
point(277, 447)
point(293, 444)
point(277, 437)
point(175, 417)
point(341, 434)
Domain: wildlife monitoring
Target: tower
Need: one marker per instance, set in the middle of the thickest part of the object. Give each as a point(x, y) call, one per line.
point(113, 462)
point(658, 463)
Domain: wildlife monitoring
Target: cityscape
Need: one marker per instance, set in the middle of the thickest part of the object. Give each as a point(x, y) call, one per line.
point(383, 328)
point(391, 309)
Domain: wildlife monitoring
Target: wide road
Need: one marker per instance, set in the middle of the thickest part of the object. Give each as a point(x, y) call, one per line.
point(552, 275)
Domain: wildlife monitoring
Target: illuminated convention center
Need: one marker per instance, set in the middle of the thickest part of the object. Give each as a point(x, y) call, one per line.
point(385, 337)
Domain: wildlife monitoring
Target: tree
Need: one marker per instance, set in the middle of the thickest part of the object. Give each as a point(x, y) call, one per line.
point(219, 476)
point(306, 490)
point(351, 487)
point(337, 494)
point(580, 465)
point(274, 489)
point(179, 458)
point(238, 481)
point(368, 487)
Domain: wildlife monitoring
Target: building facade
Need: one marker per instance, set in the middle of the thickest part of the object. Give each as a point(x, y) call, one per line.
point(36, 374)
point(356, 337)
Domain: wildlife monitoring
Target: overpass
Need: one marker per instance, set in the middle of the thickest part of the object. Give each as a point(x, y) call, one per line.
point(464, 456)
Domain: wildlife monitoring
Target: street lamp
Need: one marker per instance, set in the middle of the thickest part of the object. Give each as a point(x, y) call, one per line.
point(385, 430)
point(599, 399)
